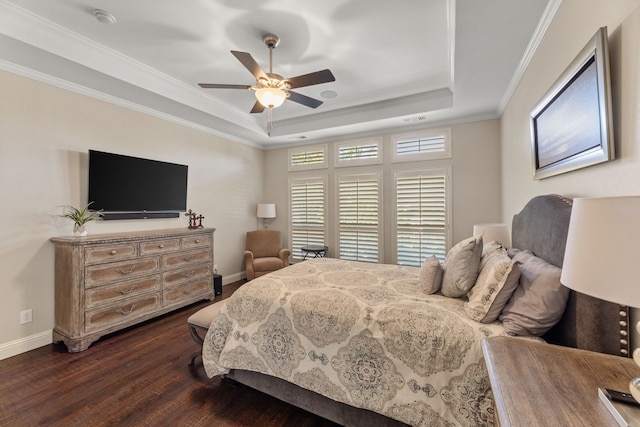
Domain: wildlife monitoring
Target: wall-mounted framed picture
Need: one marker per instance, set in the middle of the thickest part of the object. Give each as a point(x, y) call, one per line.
point(571, 126)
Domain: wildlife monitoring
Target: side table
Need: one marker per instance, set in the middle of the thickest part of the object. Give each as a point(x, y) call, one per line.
point(317, 251)
point(540, 384)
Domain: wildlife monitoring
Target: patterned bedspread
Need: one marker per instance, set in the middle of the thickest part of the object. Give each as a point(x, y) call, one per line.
point(359, 333)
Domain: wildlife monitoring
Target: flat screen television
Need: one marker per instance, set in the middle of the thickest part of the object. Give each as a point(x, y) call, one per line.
point(126, 187)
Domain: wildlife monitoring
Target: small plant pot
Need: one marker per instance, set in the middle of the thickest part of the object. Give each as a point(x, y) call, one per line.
point(80, 230)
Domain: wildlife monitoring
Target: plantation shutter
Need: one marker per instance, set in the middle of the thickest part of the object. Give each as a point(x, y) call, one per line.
point(307, 213)
point(307, 158)
point(359, 152)
point(359, 218)
point(421, 215)
point(432, 144)
point(422, 145)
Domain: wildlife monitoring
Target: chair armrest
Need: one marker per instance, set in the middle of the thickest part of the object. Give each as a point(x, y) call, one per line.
point(284, 256)
point(248, 261)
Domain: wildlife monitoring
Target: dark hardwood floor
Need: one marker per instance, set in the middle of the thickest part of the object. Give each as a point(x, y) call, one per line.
point(136, 377)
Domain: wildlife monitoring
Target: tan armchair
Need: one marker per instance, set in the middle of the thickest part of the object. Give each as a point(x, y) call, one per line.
point(264, 253)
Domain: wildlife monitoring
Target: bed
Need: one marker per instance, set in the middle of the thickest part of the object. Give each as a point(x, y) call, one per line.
point(363, 344)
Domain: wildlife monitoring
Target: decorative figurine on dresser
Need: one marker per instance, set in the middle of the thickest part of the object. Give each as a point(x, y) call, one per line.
point(195, 220)
point(107, 282)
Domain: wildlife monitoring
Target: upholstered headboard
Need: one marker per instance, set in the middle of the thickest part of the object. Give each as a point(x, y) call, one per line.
point(588, 323)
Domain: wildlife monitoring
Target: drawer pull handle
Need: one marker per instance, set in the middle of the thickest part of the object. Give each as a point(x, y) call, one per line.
point(188, 258)
point(113, 252)
point(197, 240)
point(121, 271)
point(124, 313)
point(121, 292)
point(188, 274)
point(161, 246)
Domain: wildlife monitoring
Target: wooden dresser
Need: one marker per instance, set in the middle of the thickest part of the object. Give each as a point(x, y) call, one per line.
point(107, 282)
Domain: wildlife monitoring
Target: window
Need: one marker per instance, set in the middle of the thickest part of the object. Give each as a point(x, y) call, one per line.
point(309, 157)
point(359, 222)
point(360, 152)
point(422, 215)
point(423, 145)
point(307, 204)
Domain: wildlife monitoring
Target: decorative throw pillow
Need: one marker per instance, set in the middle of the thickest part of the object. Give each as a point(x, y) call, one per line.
point(538, 302)
point(490, 247)
point(496, 283)
point(431, 275)
point(461, 267)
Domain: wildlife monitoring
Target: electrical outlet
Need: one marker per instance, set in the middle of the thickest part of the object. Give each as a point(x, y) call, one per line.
point(26, 316)
point(215, 268)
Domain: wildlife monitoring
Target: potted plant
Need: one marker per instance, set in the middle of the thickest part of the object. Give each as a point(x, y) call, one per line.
point(80, 217)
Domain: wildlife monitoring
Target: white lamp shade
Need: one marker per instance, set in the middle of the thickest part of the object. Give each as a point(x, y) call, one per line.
point(601, 256)
point(266, 210)
point(491, 232)
point(271, 97)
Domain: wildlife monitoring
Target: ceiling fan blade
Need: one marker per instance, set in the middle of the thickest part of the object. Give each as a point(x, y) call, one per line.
point(323, 76)
point(304, 99)
point(247, 60)
point(257, 108)
point(217, 86)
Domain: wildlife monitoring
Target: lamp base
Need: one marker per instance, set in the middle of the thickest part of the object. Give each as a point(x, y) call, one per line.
point(634, 385)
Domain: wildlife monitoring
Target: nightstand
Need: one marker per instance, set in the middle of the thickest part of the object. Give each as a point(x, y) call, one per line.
point(539, 384)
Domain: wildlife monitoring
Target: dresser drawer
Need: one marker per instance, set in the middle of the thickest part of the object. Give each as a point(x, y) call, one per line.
point(111, 293)
point(159, 246)
point(108, 253)
point(125, 311)
point(98, 274)
point(174, 278)
point(186, 259)
point(199, 241)
point(192, 291)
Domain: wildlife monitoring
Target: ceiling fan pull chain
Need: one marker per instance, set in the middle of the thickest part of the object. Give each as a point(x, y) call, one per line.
point(269, 122)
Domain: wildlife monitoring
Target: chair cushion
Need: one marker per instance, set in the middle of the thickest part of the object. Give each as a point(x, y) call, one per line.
point(264, 243)
point(267, 264)
point(205, 316)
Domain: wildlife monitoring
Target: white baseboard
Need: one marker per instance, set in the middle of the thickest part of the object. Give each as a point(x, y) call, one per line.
point(22, 345)
point(232, 278)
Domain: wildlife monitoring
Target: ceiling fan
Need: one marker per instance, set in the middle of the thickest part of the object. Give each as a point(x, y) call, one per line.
point(272, 89)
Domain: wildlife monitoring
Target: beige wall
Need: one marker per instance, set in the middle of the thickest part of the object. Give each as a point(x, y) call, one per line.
point(45, 133)
point(574, 24)
point(475, 182)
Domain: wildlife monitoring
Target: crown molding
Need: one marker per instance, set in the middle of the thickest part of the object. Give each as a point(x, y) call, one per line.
point(545, 21)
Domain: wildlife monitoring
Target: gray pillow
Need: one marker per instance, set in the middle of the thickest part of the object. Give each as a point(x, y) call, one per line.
point(496, 283)
point(461, 267)
point(538, 302)
point(431, 275)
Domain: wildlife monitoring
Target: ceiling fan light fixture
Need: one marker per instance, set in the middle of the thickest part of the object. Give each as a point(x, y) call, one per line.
point(271, 97)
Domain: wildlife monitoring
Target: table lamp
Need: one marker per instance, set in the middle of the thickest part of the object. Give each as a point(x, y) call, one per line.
point(601, 256)
point(266, 210)
point(491, 232)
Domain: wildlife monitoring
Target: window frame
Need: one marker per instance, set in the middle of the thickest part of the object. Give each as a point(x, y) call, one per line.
point(446, 153)
point(444, 171)
point(297, 180)
point(306, 149)
point(375, 176)
point(378, 141)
